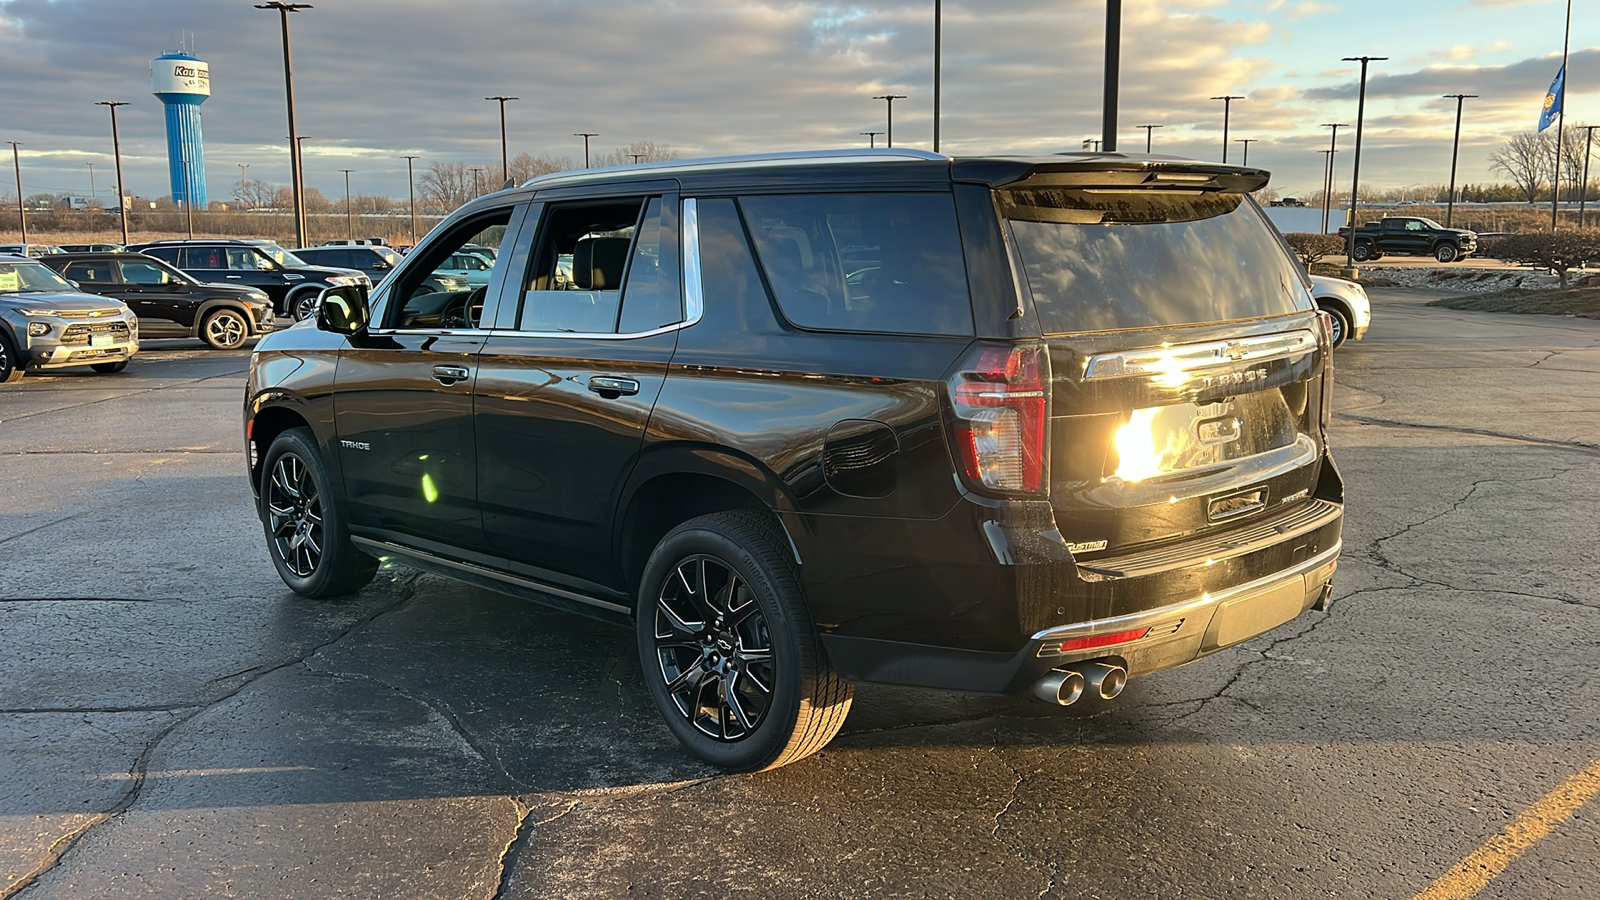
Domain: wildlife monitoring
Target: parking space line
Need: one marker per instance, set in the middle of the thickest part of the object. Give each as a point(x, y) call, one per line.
point(1485, 864)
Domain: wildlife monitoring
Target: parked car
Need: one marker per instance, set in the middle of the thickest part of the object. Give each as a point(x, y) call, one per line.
point(376, 261)
point(33, 250)
point(90, 248)
point(1415, 235)
point(46, 323)
point(471, 268)
point(1006, 424)
point(292, 284)
point(1346, 302)
point(168, 302)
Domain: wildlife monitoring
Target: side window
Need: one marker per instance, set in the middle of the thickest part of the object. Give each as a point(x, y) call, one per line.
point(97, 272)
point(650, 300)
point(576, 271)
point(876, 262)
point(170, 254)
point(437, 294)
point(136, 272)
point(206, 257)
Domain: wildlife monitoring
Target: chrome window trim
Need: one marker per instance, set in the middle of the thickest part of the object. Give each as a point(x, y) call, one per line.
point(694, 302)
point(1190, 357)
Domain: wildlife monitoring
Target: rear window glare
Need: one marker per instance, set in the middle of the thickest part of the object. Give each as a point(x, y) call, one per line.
point(875, 262)
point(1124, 260)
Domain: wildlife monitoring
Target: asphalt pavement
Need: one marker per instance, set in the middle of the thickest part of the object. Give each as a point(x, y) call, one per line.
point(176, 723)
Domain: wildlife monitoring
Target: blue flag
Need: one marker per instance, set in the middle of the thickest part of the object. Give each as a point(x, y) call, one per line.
point(1552, 100)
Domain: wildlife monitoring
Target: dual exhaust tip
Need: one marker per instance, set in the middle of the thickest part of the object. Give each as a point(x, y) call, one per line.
point(1064, 686)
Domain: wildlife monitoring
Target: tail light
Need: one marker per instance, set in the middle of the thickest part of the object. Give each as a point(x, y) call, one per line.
point(1001, 416)
point(1325, 401)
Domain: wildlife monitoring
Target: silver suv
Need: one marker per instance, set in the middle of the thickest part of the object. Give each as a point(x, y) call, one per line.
point(45, 323)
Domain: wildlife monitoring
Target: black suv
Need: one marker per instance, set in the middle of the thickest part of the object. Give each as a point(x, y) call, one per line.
point(374, 259)
point(170, 303)
point(994, 424)
point(289, 281)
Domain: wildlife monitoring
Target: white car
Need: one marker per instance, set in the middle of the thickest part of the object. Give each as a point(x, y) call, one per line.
point(1347, 302)
point(471, 268)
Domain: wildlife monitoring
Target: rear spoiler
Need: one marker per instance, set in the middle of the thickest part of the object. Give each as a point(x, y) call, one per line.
point(1116, 171)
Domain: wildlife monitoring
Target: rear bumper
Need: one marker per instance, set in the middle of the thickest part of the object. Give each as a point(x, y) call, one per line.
point(1171, 636)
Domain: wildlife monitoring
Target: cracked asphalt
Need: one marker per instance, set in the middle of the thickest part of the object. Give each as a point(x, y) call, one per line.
point(175, 723)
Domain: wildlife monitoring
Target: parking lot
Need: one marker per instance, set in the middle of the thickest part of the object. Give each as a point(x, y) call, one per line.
point(176, 723)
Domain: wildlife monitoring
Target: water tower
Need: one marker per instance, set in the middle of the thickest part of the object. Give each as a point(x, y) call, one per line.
point(182, 83)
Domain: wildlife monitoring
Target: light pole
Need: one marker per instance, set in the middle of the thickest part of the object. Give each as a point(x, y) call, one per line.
point(243, 186)
point(294, 144)
point(872, 139)
point(637, 157)
point(890, 99)
point(411, 195)
point(1355, 175)
point(1327, 178)
point(1113, 54)
point(505, 167)
point(477, 187)
point(22, 212)
point(586, 135)
point(349, 221)
point(1227, 108)
point(938, 35)
point(1455, 147)
point(1246, 142)
point(1148, 130)
point(91, 180)
point(116, 148)
point(1583, 190)
point(1561, 121)
point(1092, 143)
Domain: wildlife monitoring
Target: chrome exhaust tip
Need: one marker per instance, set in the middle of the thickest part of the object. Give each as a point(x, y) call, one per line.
point(1106, 680)
point(1062, 687)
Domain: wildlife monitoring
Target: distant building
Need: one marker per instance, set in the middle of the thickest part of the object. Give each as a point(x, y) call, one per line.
point(182, 82)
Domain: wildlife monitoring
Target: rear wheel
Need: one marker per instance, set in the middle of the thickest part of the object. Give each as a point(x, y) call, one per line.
point(1445, 253)
point(109, 368)
point(305, 524)
point(1362, 251)
point(729, 651)
point(224, 329)
point(10, 363)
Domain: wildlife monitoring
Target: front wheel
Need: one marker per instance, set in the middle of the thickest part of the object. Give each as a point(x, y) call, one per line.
point(729, 651)
point(224, 329)
point(303, 304)
point(1341, 325)
point(306, 529)
point(1444, 253)
point(10, 363)
point(1361, 252)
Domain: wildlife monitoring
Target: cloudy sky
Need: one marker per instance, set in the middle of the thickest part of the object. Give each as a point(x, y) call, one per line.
point(378, 79)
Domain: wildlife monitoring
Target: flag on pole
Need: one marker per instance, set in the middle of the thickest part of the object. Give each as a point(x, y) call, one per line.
point(1552, 100)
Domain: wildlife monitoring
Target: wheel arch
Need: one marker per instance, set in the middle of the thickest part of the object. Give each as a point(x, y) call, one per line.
point(265, 425)
point(207, 307)
point(1339, 304)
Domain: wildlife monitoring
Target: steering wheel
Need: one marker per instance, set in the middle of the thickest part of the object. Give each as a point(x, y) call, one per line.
point(467, 312)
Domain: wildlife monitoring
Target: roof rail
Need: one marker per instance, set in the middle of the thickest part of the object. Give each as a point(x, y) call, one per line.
point(793, 157)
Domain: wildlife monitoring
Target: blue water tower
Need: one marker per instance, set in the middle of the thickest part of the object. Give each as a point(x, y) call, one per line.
point(182, 83)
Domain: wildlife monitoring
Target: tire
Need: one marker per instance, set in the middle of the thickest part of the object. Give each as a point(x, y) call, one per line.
point(110, 368)
point(1341, 323)
point(224, 329)
point(1445, 253)
point(307, 535)
point(1362, 251)
point(729, 651)
point(10, 362)
point(303, 304)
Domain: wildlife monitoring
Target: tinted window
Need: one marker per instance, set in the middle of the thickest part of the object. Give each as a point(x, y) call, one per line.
point(727, 270)
point(96, 272)
point(170, 254)
point(888, 262)
point(137, 272)
point(1110, 261)
point(650, 300)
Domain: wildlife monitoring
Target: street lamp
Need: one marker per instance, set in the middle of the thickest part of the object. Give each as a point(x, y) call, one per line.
point(1583, 190)
point(1092, 143)
point(938, 35)
point(890, 99)
point(411, 195)
point(1113, 58)
point(1355, 175)
point(586, 135)
point(477, 187)
point(116, 147)
point(872, 138)
point(91, 179)
point(1327, 175)
point(349, 221)
point(505, 167)
point(1450, 201)
point(1227, 108)
point(1246, 142)
point(243, 185)
point(294, 144)
point(637, 157)
point(22, 211)
point(1148, 129)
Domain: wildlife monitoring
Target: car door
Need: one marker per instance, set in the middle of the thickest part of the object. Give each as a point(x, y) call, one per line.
point(403, 413)
point(568, 378)
point(158, 294)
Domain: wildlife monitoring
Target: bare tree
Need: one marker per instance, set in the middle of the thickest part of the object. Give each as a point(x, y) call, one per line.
point(638, 151)
point(314, 199)
point(255, 194)
point(524, 166)
point(1527, 160)
point(373, 203)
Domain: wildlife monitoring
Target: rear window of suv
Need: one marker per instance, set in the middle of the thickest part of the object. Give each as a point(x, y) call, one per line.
point(876, 262)
point(1125, 260)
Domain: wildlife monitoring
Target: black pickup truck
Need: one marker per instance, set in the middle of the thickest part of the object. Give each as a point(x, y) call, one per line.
point(1413, 235)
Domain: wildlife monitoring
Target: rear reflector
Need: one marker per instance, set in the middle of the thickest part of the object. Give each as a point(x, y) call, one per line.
point(1090, 643)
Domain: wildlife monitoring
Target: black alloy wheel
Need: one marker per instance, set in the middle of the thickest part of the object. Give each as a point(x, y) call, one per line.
point(1445, 253)
point(10, 363)
point(729, 652)
point(1361, 252)
point(109, 368)
point(224, 329)
point(305, 527)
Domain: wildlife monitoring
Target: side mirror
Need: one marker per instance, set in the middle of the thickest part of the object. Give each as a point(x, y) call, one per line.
point(343, 310)
point(380, 264)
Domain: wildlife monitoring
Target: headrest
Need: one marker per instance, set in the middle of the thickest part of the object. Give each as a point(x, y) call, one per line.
point(598, 263)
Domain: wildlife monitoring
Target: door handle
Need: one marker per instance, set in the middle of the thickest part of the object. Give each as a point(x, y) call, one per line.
point(235, 276)
point(611, 387)
point(448, 375)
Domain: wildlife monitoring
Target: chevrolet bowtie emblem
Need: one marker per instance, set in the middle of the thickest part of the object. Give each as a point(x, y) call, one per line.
point(1235, 351)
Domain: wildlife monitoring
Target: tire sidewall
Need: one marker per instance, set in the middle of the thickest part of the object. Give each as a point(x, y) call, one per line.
point(703, 538)
point(1445, 253)
point(304, 295)
point(1361, 252)
point(205, 328)
point(10, 362)
point(1342, 323)
point(335, 536)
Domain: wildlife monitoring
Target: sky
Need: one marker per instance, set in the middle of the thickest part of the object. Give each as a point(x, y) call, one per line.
point(376, 80)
